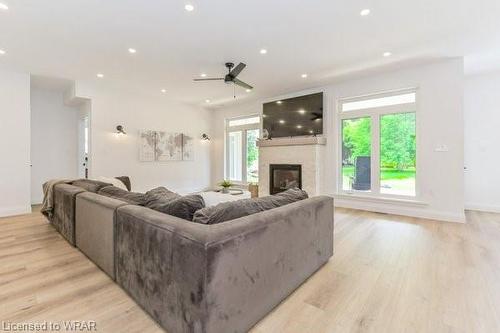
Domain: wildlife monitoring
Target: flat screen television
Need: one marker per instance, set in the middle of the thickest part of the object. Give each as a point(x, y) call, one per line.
point(298, 116)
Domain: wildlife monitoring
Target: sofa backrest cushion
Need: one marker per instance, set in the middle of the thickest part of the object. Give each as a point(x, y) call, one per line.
point(231, 210)
point(160, 193)
point(90, 185)
point(133, 198)
point(179, 206)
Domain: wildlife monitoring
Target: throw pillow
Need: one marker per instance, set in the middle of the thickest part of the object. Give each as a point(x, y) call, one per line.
point(133, 198)
point(181, 206)
point(227, 211)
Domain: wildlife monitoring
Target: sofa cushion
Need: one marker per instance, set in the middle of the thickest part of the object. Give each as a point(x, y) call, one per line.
point(113, 181)
point(231, 210)
point(90, 185)
point(133, 198)
point(160, 193)
point(180, 206)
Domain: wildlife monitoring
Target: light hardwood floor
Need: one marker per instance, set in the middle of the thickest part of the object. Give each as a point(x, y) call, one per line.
point(388, 274)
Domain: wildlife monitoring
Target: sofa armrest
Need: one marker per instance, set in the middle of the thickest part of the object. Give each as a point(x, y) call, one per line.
point(94, 228)
point(63, 218)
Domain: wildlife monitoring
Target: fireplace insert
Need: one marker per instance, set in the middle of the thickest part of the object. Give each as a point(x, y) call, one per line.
point(284, 176)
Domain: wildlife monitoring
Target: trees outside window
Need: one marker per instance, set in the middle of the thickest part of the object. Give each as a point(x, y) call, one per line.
point(242, 153)
point(379, 145)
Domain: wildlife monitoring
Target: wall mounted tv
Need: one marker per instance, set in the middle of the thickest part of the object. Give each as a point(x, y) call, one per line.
point(298, 116)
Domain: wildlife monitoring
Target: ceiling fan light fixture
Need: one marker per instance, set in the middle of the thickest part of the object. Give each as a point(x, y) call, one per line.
point(189, 7)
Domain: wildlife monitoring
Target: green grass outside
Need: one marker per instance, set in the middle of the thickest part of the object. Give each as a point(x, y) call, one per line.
point(387, 173)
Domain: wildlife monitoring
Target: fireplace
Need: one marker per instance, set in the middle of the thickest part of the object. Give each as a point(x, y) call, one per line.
point(284, 176)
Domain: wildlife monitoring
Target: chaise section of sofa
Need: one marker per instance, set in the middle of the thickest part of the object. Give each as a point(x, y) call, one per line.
point(220, 278)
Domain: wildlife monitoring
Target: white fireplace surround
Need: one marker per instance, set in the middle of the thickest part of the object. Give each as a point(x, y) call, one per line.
point(306, 151)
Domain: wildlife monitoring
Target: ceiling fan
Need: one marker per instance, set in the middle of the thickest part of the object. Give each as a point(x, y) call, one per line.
point(231, 76)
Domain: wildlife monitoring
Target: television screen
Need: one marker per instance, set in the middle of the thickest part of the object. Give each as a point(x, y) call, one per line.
point(298, 116)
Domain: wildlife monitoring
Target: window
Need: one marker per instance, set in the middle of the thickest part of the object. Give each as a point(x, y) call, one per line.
point(379, 149)
point(242, 153)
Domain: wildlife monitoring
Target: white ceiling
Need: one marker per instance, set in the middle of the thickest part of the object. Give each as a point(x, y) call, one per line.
point(325, 38)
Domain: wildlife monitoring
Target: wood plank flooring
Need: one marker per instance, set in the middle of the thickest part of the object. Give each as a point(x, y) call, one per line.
point(388, 274)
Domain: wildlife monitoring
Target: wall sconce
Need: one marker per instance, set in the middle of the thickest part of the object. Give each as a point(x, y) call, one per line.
point(120, 130)
point(205, 137)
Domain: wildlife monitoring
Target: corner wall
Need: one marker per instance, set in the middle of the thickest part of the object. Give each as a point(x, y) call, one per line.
point(113, 155)
point(54, 140)
point(482, 139)
point(14, 143)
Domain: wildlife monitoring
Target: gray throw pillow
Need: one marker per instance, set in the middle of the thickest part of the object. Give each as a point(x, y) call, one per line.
point(90, 185)
point(182, 206)
point(231, 210)
point(160, 193)
point(133, 198)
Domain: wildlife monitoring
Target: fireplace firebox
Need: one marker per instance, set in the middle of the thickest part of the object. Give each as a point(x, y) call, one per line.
point(284, 176)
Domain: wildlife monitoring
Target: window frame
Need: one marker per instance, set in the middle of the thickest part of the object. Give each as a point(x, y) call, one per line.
point(375, 114)
point(243, 129)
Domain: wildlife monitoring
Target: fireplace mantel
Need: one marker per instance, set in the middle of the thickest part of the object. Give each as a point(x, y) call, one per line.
point(295, 141)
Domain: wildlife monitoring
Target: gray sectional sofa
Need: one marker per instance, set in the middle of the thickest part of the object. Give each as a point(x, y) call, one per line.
point(193, 277)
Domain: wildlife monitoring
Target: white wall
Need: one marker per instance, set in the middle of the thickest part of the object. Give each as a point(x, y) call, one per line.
point(482, 140)
point(439, 121)
point(54, 140)
point(14, 143)
point(114, 155)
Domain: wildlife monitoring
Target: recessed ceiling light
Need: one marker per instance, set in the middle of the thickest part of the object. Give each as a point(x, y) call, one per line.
point(263, 51)
point(299, 126)
point(364, 12)
point(131, 50)
point(302, 111)
point(164, 90)
point(4, 6)
point(281, 121)
point(279, 102)
point(207, 101)
point(189, 7)
point(303, 76)
point(311, 131)
point(100, 75)
point(387, 54)
point(2, 52)
point(203, 75)
point(248, 90)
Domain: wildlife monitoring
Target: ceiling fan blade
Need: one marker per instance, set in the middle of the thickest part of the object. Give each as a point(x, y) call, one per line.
point(242, 84)
point(210, 79)
point(237, 70)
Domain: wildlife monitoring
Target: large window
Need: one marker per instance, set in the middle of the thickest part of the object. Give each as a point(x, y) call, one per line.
point(379, 149)
point(242, 153)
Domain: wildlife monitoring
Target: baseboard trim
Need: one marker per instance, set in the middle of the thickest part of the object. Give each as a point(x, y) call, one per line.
point(16, 210)
point(400, 210)
point(482, 207)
